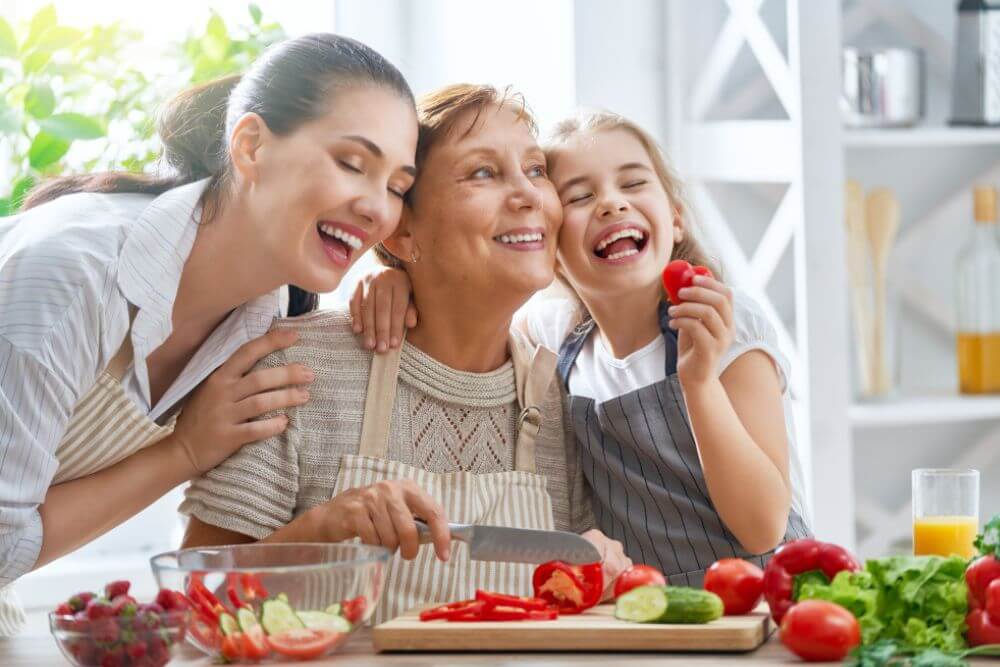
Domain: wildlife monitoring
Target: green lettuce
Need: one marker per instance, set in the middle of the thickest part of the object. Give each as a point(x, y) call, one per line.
point(920, 601)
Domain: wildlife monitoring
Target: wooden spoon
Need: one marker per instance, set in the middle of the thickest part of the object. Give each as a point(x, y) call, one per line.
point(882, 221)
point(859, 275)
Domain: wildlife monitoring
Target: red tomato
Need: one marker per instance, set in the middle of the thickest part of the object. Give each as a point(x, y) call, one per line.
point(817, 630)
point(305, 644)
point(638, 575)
point(740, 584)
point(992, 602)
point(232, 647)
point(680, 274)
point(354, 609)
point(255, 646)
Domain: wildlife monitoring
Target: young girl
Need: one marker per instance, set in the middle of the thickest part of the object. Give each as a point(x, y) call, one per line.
point(119, 294)
point(681, 411)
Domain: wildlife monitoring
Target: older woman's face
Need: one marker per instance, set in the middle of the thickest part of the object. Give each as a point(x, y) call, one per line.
point(485, 216)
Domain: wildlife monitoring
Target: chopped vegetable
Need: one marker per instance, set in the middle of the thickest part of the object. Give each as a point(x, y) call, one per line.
point(277, 616)
point(645, 604)
point(668, 604)
point(570, 588)
point(319, 620)
point(453, 610)
point(810, 558)
point(499, 599)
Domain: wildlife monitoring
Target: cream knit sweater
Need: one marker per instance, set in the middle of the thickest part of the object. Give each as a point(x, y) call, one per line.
point(443, 420)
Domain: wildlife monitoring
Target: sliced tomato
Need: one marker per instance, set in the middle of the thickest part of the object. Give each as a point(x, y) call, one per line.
point(499, 599)
point(232, 647)
point(453, 610)
point(305, 643)
point(354, 609)
point(205, 634)
point(255, 646)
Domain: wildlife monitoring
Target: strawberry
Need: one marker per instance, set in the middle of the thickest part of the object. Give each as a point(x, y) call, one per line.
point(104, 630)
point(171, 600)
point(124, 605)
point(136, 650)
point(64, 609)
point(99, 608)
point(115, 658)
point(116, 588)
point(80, 600)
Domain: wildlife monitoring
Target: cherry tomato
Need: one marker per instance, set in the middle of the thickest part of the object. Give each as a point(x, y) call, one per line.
point(305, 644)
point(739, 583)
point(817, 630)
point(680, 274)
point(638, 575)
point(354, 609)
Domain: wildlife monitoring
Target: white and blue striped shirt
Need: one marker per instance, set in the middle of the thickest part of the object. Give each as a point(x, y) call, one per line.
point(68, 270)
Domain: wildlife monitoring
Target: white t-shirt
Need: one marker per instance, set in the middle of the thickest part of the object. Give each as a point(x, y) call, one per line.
point(599, 375)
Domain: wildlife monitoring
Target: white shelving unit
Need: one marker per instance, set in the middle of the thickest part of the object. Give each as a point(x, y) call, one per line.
point(772, 119)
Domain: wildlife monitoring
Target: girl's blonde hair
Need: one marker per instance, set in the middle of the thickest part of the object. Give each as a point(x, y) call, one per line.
point(592, 122)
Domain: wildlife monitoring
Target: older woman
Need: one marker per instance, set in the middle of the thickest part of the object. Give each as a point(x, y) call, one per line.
point(461, 423)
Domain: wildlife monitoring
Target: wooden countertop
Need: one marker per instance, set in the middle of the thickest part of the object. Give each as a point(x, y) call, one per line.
point(36, 648)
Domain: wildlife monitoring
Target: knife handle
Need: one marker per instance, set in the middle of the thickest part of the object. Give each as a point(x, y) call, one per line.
point(459, 531)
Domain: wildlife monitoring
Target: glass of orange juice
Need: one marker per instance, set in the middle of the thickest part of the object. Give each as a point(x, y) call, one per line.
point(945, 511)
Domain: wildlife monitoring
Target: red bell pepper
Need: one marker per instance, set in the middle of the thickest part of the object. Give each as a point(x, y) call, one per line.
point(454, 611)
point(983, 580)
point(501, 600)
point(354, 609)
point(797, 558)
point(680, 274)
point(203, 600)
point(571, 589)
point(234, 597)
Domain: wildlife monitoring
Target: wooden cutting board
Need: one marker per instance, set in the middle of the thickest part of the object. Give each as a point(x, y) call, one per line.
point(595, 630)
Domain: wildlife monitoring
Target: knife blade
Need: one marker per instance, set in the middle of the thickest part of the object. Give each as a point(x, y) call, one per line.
point(518, 545)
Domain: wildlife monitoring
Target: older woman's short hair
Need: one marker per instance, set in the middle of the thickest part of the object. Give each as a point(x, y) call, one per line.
point(439, 112)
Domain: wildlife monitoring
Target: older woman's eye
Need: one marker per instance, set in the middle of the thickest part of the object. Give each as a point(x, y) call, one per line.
point(483, 172)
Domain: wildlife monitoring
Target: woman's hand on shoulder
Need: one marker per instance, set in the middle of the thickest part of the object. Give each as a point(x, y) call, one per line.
point(383, 515)
point(221, 415)
point(704, 325)
point(613, 558)
point(381, 308)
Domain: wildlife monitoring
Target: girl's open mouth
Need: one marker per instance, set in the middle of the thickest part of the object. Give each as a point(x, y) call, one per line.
point(339, 241)
point(620, 244)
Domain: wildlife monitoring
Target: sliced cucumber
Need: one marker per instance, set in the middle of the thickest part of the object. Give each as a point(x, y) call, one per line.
point(333, 609)
point(228, 624)
point(319, 620)
point(277, 616)
point(248, 620)
point(282, 597)
point(645, 604)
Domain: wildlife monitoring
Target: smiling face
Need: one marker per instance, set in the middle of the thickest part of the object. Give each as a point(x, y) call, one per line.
point(485, 216)
point(325, 193)
point(619, 225)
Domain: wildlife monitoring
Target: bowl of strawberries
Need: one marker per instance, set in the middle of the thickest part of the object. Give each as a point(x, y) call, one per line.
point(256, 602)
point(114, 629)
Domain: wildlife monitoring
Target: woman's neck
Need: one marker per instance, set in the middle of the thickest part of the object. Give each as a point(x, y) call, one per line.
point(226, 268)
point(627, 322)
point(465, 332)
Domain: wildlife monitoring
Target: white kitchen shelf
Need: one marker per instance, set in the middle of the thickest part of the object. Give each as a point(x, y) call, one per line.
point(926, 409)
point(921, 137)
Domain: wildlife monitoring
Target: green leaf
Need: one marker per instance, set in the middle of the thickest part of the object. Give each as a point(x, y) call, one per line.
point(21, 188)
point(46, 150)
point(4, 207)
point(255, 13)
point(40, 101)
point(216, 27)
point(10, 120)
point(44, 19)
point(72, 126)
point(59, 37)
point(988, 541)
point(8, 42)
point(36, 60)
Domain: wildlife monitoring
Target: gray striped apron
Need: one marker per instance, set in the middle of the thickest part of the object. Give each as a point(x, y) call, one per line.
point(516, 498)
point(641, 461)
point(105, 428)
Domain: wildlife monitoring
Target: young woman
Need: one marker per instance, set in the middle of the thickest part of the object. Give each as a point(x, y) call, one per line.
point(681, 411)
point(120, 294)
point(463, 422)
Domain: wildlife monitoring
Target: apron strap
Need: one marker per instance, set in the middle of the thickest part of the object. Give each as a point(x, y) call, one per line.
point(670, 336)
point(570, 349)
point(123, 357)
point(382, 381)
point(533, 372)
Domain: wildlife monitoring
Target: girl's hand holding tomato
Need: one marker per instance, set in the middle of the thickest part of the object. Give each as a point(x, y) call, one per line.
point(703, 321)
point(638, 575)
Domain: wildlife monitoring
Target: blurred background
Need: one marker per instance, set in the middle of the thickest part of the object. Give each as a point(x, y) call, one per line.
point(764, 105)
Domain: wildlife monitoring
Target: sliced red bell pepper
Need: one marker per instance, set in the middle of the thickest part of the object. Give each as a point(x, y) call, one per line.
point(571, 589)
point(504, 613)
point(354, 609)
point(547, 614)
point(453, 610)
point(983, 580)
point(232, 580)
point(806, 557)
point(253, 587)
point(501, 600)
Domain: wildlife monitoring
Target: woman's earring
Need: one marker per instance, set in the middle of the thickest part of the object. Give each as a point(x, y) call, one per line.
point(414, 255)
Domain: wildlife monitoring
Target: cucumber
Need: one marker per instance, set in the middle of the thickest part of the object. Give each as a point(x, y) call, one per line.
point(318, 620)
point(228, 624)
point(277, 616)
point(691, 605)
point(333, 609)
point(645, 604)
point(248, 620)
point(668, 604)
point(282, 597)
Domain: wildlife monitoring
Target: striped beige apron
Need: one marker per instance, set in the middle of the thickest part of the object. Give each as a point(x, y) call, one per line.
point(516, 498)
point(105, 428)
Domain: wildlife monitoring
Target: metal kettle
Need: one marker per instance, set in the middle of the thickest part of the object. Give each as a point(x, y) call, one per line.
point(975, 93)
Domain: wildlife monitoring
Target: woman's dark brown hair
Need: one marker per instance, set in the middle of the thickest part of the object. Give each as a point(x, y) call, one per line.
point(289, 85)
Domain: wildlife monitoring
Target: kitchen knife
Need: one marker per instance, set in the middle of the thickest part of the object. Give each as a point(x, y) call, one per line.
point(518, 545)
